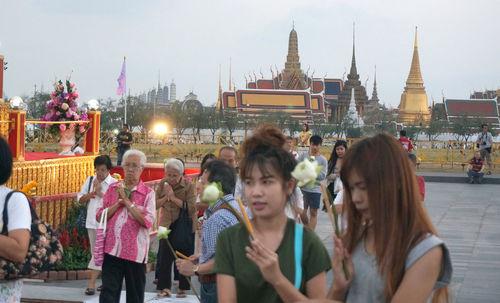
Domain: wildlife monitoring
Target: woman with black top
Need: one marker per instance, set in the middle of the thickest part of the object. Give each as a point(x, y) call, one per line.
point(334, 184)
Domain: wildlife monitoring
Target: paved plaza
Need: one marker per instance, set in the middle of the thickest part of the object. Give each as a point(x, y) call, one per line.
point(467, 217)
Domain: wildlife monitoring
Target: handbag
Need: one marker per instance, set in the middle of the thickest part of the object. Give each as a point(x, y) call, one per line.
point(182, 236)
point(82, 217)
point(100, 238)
point(45, 251)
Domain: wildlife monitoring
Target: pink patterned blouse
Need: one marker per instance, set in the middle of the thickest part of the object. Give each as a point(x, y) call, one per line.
point(125, 237)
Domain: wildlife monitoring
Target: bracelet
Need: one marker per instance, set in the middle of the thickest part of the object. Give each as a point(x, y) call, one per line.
point(131, 206)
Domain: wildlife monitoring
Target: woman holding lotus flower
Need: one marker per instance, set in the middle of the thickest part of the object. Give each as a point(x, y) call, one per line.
point(130, 208)
point(390, 245)
point(259, 266)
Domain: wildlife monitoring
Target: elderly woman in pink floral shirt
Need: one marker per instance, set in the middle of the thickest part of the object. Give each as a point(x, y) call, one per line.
point(130, 216)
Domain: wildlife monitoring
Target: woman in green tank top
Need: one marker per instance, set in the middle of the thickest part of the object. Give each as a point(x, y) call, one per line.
point(262, 268)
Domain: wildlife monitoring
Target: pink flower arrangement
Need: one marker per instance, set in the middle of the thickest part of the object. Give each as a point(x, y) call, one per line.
point(63, 107)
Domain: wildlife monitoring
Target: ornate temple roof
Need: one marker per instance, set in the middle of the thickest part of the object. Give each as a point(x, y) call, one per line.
point(486, 109)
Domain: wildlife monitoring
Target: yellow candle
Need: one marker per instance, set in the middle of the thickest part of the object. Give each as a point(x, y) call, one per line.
point(245, 216)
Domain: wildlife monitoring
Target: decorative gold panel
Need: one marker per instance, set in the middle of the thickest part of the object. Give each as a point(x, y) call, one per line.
point(4, 117)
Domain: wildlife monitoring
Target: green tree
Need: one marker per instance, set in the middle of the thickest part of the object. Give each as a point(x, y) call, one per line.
point(412, 131)
point(35, 106)
point(177, 118)
point(294, 126)
point(110, 119)
point(435, 128)
point(213, 120)
point(230, 122)
point(279, 119)
point(139, 114)
point(464, 128)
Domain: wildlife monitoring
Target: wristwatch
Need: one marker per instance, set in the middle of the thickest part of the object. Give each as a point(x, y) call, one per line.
point(195, 269)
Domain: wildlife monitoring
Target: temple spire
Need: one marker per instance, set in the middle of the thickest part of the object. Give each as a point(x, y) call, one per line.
point(292, 65)
point(354, 70)
point(374, 94)
point(229, 73)
point(415, 76)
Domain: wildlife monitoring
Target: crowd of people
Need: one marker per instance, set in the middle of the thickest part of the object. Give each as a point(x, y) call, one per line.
point(388, 249)
point(385, 247)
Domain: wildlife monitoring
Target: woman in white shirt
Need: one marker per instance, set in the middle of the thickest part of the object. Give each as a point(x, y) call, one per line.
point(78, 148)
point(15, 239)
point(92, 191)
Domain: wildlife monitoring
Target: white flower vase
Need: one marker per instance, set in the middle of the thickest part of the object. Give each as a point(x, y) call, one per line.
point(66, 141)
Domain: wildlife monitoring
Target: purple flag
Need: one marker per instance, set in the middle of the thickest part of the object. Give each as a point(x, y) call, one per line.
point(122, 81)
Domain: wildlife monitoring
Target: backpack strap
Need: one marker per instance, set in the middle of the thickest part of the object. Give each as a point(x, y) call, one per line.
point(5, 214)
point(224, 206)
point(299, 232)
point(90, 184)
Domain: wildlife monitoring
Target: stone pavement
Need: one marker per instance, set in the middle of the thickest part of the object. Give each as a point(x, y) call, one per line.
point(467, 217)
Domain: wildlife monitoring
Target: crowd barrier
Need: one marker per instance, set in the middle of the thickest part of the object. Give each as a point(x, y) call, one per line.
point(194, 147)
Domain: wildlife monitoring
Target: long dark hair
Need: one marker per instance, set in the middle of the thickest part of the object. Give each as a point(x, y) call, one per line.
point(333, 156)
point(399, 218)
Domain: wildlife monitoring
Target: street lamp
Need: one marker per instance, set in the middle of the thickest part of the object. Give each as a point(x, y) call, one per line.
point(16, 102)
point(93, 104)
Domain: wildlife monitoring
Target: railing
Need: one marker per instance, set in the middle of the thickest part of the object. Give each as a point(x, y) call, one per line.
point(194, 147)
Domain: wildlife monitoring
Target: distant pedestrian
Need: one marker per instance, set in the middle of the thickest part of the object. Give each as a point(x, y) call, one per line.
point(304, 136)
point(312, 195)
point(78, 148)
point(484, 142)
point(289, 147)
point(124, 139)
point(420, 179)
point(334, 184)
point(476, 168)
point(405, 142)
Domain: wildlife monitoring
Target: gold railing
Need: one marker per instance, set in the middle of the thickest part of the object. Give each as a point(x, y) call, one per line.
point(56, 178)
point(194, 147)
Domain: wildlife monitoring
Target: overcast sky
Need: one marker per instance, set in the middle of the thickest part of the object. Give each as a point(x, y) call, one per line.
point(185, 40)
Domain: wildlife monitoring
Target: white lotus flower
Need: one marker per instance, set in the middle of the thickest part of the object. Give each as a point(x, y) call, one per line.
point(163, 232)
point(306, 172)
point(212, 192)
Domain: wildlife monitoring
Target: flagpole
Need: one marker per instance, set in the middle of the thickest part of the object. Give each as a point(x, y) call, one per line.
point(125, 105)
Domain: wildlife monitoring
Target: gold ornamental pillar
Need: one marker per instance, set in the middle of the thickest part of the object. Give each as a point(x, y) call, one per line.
point(16, 133)
point(93, 133)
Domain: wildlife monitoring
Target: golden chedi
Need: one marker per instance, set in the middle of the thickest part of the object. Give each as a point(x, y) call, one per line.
point(413, 108)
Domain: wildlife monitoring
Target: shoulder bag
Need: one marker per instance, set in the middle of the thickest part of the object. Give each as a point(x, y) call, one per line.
point(44, 252)
point(182, 236)
point(82, 217)
point(100, 238)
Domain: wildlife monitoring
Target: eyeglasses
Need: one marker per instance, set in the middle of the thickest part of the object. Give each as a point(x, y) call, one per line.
point(132, 166)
